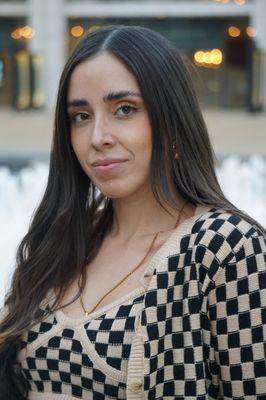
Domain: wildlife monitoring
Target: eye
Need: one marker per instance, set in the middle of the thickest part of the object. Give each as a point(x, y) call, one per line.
point(127, 109)
point(78, 117)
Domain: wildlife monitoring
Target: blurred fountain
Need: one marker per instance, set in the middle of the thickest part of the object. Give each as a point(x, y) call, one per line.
point(19, 196)
point(243, 182)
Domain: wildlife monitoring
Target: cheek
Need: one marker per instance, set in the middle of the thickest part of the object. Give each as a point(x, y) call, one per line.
point(80, 149)
point(78, 143)
point(145, 140)
point(80, 146)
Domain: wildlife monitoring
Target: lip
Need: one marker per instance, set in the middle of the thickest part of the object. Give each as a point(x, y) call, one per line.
point(109, 167)
point(107, 161)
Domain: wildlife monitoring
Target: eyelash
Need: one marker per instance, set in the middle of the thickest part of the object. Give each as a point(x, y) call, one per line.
point(73, 116)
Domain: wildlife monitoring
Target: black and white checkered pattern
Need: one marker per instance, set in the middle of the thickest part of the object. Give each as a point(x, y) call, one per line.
point(206, 315)
point(34, 333)
point(60, 365)
point(111, 334)
point(204, 318)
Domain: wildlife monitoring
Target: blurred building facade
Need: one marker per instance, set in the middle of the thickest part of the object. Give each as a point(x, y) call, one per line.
point(222, 41)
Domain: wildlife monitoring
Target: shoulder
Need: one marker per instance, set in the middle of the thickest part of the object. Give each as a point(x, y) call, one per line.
point(220, 242)
point(221, 234)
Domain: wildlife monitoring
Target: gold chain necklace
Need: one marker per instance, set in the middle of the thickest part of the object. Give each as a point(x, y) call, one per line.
point(130, 273)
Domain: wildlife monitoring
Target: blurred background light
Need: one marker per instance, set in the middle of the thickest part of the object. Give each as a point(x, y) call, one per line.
point(222, 1)
point(240, 2)
point(208, 58)
point(77, 31)
point(251, 31)
point(233, 31)
point(25, 32)
point(16, 34)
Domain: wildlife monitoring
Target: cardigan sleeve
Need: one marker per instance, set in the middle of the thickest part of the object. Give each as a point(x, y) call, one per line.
point(236, 314)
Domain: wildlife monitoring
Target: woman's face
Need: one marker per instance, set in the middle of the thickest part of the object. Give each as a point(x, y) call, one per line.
point(105, 122)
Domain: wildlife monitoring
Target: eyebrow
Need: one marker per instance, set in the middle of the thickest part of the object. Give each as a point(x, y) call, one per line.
point(107, 98)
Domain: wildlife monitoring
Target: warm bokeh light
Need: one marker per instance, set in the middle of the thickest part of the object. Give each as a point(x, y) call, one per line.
point(240, 2)
point(198, 56)
point(77, 31)
point(25, 32)
point(30, 36)
point(16, 34)
point(216, 56)
point(251, 31)
point(222, 1)
point(233, 31)
point(208, 58)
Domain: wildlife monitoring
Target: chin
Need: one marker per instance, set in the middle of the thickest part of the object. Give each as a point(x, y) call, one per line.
point(122, 188)
point(117, 191)
point(115, 194)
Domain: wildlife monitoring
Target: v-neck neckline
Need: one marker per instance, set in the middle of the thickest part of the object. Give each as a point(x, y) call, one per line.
point(170, 245)
point(167, 248)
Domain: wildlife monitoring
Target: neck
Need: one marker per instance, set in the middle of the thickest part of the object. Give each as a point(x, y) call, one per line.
point(138, 217)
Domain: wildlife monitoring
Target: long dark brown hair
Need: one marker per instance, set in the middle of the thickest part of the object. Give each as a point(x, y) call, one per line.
point(72, 218)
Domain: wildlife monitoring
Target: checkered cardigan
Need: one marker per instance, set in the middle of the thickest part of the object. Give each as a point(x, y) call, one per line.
point(202, 328)
point(201, 331)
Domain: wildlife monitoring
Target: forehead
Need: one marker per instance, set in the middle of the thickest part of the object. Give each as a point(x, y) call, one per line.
point(103, 72)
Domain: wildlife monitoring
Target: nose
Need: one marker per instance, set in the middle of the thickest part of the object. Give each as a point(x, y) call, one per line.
point(101, 134)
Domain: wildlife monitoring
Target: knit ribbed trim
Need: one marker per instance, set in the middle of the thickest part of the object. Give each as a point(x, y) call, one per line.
point(135, 367)
point(172, 245)
point(65, 320)
point(49, 396)
point(100, 363)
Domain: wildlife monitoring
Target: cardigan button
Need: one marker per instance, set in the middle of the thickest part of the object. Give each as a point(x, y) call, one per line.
point(137, 322)
point(135, 385)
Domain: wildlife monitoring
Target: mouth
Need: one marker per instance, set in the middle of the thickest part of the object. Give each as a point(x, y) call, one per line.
point(109, 167)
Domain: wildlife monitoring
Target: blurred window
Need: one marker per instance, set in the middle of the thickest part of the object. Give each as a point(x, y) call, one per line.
point(222, 75)
point(9, 47)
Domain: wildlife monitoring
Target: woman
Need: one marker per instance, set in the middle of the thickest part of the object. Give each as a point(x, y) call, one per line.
point(137, 278)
